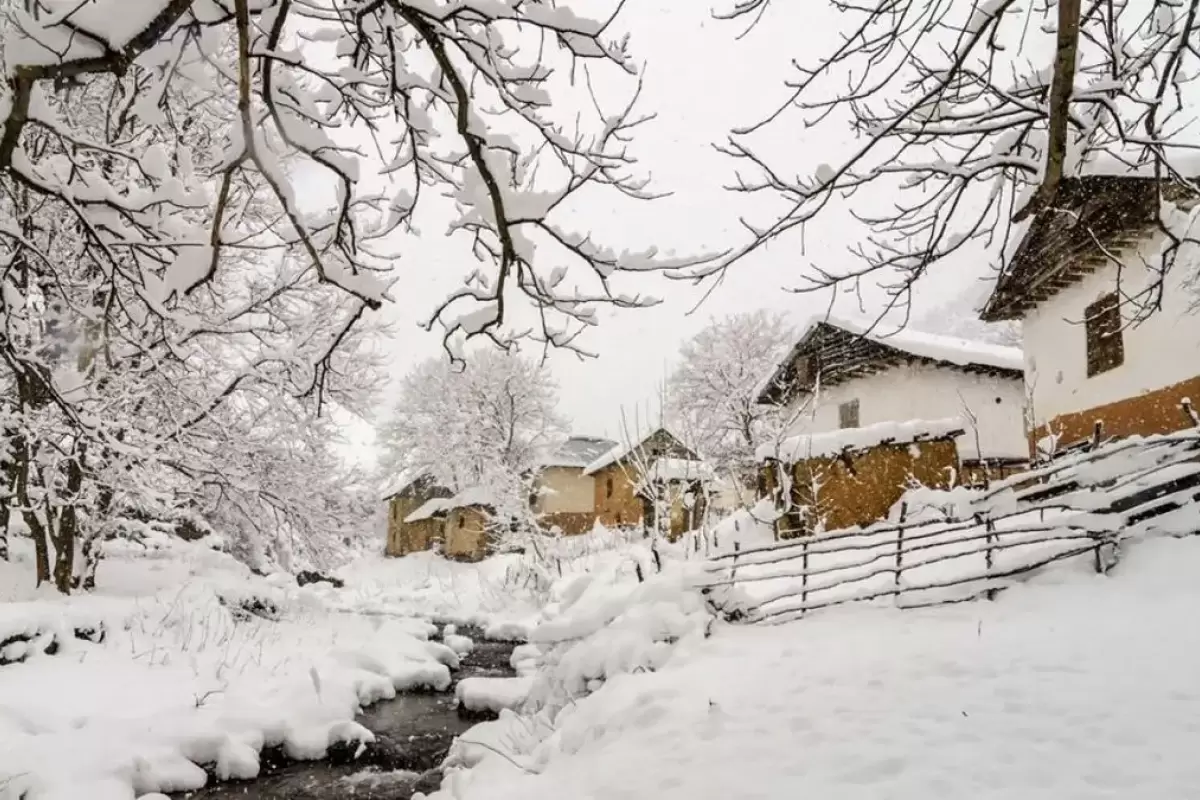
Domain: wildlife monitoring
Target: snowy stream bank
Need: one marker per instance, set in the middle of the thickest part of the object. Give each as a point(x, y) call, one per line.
point(413, 732)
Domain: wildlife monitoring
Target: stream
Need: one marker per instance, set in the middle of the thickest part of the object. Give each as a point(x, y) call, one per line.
point(413, 732)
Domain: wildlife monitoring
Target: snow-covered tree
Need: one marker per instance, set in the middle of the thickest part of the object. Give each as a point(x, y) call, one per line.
point(471, 426)
point(712, 394)
point(165, 281)
point(967, 117)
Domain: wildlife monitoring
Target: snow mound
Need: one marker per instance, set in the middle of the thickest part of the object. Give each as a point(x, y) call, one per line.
point(461, 645)
point(183, 661)
point(492, 694)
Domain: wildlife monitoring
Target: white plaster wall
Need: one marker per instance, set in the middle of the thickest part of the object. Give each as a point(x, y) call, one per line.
point(1160, 351)
point(572, 490)
point(924, 391)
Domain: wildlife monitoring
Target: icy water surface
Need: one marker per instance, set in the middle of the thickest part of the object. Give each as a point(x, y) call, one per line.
point(413, 734)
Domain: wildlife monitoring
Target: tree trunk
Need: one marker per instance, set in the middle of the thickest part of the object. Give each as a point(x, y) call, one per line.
point(37, 531)
point(5, 514)
point(1061, 86)
point(93, 544)
point(68, 526)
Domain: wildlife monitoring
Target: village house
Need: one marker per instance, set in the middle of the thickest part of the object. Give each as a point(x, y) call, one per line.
point(639, 481)
point(576, 483)
point(872, 411)
point(460, 524)
point(563, 497)
point(409, 492)
point(1107, 337)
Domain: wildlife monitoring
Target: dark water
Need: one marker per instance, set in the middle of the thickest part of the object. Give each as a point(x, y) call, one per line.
point(412, 735)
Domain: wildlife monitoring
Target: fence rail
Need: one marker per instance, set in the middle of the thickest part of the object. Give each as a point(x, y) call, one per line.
point(1088, 502)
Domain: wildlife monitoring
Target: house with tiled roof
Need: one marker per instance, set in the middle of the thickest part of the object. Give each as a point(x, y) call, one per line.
point(564, 498)
point(1110, 339)
point(845, 372)
point(874, 409)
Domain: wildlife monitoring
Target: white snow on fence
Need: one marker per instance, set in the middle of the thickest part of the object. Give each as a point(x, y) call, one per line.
point(1085, 504)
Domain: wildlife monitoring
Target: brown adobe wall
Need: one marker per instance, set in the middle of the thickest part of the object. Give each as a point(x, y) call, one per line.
point(623, 506)
point(418, 536)
point(1157, 411)
point(400, 507)
point(466, 534)
point(864, 495)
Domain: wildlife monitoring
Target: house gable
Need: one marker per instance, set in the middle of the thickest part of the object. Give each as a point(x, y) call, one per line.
point(1076, 379)
point(1092, 219)
point(834, 351)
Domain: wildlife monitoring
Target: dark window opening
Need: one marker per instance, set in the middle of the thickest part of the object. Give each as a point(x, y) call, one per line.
point(848, 414)
point(1105, 344)
point(608, 488)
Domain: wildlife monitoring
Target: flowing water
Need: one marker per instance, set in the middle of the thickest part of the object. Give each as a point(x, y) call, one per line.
point(412, 735)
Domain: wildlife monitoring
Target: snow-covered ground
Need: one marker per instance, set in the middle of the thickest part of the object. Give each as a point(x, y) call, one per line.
point(1070, 686)
point(183, 657)
point(203, 662)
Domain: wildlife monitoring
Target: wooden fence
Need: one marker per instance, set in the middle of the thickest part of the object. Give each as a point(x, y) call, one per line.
point(1085, 503)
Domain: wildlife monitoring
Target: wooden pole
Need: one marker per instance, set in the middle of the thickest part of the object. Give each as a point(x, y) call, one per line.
point(737, 546)
point(990, 554)
point(804, 576)
point(900, 549)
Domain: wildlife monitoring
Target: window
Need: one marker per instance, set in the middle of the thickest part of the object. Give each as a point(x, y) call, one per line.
point(848, 414)
point(1105, 345)
point(608, 487)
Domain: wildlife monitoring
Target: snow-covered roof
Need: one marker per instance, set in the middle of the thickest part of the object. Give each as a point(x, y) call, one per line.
point(679, 469)
point(619, 452)
point(475, 496)
point(818, 445)
point(428, 509)
point(934, 347)
point(1093, 215)
point(401, 481)
point(577, 451)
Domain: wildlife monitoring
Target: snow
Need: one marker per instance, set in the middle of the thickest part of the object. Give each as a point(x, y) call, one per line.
point(183, 658)
point(936, 347)
point(577, 451)
point(430, 508)
point(679, 469)
point(475, 496)
point(618, 453)
point(459, 644)
point(817, 445)
point(1071, 685)
point(492, 694)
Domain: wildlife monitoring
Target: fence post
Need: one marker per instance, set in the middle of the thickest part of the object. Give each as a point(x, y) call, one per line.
point(990, 553)
point(1105, 554)
point(900, 550)
point(1193, 417)
point(804, 577)
point(737, 547)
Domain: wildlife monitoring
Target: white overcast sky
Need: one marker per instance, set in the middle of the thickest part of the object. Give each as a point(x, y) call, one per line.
point(700, 81)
